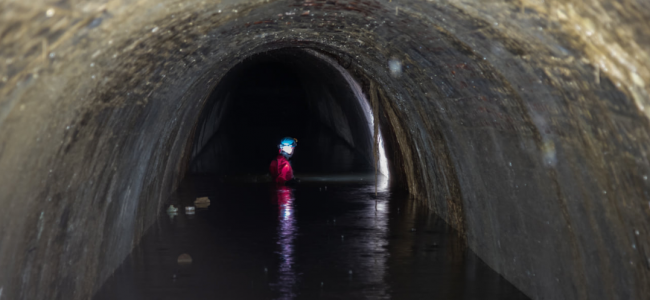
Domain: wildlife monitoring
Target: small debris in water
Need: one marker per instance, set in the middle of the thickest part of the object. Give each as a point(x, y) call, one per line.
point(202, 202)
point(350, 272)
point(412, 229)
point(266, 270)
point(189, 210)
point(305, 13)
point(49, 12)
point(184, 259)
point(172, 209)
point(154, 30)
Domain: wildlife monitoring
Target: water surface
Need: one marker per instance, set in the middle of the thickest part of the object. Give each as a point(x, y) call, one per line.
point(315, 241)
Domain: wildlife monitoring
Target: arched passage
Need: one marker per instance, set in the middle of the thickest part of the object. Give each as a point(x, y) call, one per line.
point(285, 92)
point(523, 124)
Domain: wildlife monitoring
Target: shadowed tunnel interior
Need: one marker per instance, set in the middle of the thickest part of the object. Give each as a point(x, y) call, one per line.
point(521, 124)
point(274, 94)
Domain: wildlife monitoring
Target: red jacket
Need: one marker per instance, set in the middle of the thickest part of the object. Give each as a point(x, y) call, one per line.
point(281, 170)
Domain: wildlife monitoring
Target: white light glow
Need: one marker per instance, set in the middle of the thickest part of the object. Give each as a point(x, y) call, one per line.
point(383, 161)
point(287, 149)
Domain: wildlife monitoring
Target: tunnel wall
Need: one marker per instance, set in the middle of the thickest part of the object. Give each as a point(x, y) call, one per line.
point(521, 123)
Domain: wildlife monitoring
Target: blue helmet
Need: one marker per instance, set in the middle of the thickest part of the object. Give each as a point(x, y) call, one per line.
point(288, 141)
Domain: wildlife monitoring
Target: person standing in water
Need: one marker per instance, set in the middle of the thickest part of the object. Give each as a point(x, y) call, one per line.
point(280, 167)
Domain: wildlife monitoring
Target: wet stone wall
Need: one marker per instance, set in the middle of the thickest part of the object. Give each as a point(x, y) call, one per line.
point(521, 123)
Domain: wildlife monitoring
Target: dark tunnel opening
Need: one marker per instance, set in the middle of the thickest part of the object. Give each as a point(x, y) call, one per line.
point(285, 92)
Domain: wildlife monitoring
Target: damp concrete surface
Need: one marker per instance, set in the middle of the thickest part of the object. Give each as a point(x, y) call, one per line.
point(327, 238)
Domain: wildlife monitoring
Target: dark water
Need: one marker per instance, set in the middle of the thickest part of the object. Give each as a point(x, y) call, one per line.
point(256, 242)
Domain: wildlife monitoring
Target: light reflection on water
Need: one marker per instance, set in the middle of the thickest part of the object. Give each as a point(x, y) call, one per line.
point(286, 234)
point(377, 218)
point(372, 268)
point(256, 243)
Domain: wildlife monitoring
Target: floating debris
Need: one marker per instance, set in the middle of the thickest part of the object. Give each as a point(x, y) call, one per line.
point(189, 210)
point(184, 259)
point(172, 209)
point(202, 202)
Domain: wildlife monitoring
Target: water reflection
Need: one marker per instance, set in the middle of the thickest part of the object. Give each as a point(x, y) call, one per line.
point(382, 183)
point(256, 243)
point(286, 234)
point(375, 217)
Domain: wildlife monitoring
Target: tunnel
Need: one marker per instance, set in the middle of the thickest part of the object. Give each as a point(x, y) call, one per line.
point(283, 93)
point(520, 124)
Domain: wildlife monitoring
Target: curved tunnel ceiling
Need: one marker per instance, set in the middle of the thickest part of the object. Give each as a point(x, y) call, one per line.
point(522, 123)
